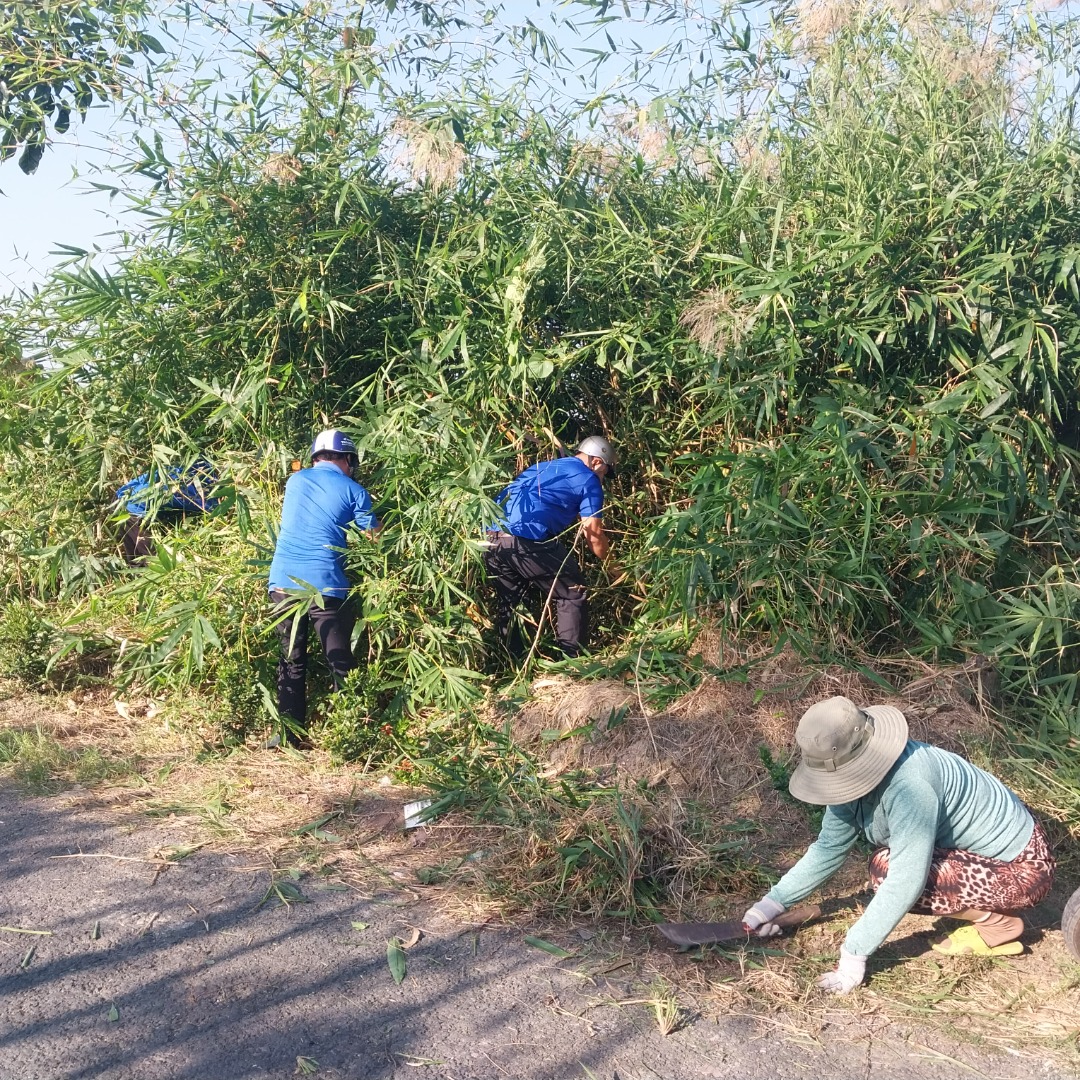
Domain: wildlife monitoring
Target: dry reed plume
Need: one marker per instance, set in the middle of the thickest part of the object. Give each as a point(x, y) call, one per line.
point(956, 36)
point(715, 322)
point(431, 155)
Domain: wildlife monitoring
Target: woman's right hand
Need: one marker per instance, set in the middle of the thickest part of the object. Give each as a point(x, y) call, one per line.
point(759, 918)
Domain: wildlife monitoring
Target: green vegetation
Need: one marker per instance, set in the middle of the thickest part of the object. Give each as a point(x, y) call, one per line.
point(57, 58)
point(825, 296)
point(42, 765)
point(24, 643)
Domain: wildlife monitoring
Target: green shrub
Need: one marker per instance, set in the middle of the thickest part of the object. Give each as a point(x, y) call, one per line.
point(241, 690)
point(364, 720)
point(836, 342)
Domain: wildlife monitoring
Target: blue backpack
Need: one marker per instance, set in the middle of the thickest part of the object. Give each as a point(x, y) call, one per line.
point(190, 490)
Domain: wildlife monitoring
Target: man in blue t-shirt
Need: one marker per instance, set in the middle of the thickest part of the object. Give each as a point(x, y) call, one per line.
point(321, 504)
point(524, 552)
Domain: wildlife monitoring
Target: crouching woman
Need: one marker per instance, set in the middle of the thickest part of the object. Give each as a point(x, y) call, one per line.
point(949, 839)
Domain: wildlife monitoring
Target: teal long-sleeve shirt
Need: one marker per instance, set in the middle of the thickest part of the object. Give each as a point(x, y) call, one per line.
point(929, 799)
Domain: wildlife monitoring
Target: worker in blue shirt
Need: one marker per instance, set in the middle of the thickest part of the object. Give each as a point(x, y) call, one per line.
point(321, 505)
point(524, 552)
point(163, 498)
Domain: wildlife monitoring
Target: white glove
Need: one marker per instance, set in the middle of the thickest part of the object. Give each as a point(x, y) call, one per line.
point(849, 973)
point(759, 919)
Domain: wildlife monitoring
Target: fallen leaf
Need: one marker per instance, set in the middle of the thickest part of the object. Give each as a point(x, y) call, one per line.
point(360, 925)
point(114, 1013)
point(316, 825)
point(547, 946)
point(176, 852)
point(395, 958)
point(411, 940)
point(418, 1062)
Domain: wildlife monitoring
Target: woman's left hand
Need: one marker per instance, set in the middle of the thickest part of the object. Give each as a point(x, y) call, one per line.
point(848, 974)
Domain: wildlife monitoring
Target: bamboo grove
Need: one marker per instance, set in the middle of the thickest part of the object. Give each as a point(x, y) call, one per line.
point(824, 297)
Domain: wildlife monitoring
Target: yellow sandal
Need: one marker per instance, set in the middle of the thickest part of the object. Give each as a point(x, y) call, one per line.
point(966, 941)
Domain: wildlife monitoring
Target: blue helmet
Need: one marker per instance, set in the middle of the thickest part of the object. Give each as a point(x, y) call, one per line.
point(333, 441)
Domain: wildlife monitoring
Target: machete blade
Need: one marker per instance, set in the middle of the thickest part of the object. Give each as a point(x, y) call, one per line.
point(703, 933)
point(711, 933)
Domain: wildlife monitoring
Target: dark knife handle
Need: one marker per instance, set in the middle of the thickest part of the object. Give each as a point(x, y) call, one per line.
point(797, 916)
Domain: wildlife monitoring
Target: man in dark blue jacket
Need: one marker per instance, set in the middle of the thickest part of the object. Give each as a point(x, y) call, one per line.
point(321, 504)
point(524, 552)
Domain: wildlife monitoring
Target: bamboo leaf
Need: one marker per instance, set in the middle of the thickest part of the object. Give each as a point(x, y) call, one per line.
point(395, 959)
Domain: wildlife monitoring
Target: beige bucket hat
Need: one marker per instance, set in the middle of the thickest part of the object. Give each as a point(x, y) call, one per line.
point(846, 751)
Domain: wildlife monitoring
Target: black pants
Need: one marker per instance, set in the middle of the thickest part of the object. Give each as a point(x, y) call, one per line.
point(334, 624)
point(516, 566)
point(137, 539)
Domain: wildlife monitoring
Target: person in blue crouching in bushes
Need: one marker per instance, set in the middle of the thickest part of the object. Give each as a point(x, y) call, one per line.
point(949, 839)
point(322, 504)
point(524, 552)
point(163, 498)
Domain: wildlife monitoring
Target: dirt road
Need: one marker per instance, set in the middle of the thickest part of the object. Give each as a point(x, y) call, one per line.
point(178, 973)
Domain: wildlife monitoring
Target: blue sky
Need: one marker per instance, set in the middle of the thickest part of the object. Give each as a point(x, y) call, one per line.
point(37, 212)
point(58, 206)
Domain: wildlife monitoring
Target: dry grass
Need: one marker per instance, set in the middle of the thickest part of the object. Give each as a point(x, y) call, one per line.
point(706, 746)
point(1025, 1006)
point(246, 800)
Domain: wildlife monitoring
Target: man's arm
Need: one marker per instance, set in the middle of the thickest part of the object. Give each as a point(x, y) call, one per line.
point(363, 516)
point(593, 528)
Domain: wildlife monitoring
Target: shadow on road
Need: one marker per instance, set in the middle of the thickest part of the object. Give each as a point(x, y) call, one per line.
point(190, 979)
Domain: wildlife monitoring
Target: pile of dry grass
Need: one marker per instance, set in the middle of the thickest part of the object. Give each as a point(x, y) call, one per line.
point(706, 748)
point(707, 742)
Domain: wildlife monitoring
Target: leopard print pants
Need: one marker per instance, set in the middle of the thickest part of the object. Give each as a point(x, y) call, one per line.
point(961, 879)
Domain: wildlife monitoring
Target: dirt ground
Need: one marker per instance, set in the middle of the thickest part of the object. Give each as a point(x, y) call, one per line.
point(173, 970)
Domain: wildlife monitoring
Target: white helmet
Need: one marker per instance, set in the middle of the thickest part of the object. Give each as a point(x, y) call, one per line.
point(598, 446)
point(334, 442)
